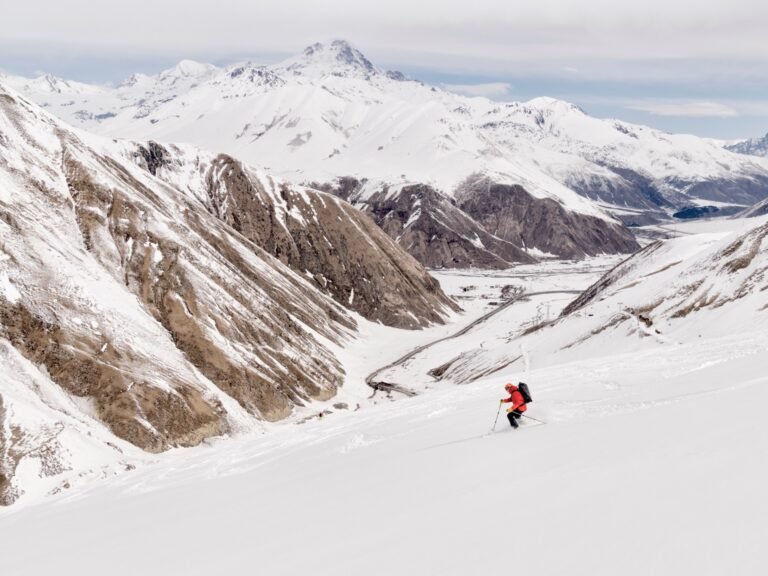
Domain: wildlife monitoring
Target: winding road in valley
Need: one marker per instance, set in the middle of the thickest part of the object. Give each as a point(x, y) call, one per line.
point(388, 387)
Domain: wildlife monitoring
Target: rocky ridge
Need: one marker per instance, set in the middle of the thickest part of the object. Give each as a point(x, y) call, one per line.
point(136, 317)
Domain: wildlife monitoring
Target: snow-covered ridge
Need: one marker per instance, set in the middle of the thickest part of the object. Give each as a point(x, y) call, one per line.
point(337, 57)
point(331, 112)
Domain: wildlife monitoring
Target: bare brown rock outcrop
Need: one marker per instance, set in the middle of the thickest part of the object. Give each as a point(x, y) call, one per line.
point(487, 225)
point(511, 213)
point(431, 227)
point(326, 240)
point(159, 271)
point(168, 316)
point(139, 412)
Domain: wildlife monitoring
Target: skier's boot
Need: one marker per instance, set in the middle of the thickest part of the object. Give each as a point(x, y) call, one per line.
point(512, 419)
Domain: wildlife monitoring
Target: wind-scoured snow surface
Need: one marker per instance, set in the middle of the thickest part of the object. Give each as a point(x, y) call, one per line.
point(651, 461)
point(330, 112)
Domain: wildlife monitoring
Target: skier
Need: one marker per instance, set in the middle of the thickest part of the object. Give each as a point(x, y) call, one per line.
point(514, 412)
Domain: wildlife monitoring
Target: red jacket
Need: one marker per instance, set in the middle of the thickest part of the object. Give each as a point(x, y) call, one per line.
point(517, 400)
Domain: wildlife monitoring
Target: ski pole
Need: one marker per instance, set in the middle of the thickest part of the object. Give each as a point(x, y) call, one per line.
point(532, 418)
point(497, 418)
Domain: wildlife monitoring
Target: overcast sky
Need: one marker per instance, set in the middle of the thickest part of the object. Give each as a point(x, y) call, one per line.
point(682, 65)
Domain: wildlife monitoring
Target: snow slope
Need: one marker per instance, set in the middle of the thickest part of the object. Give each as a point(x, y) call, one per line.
point(330, 112)
point(649, 463)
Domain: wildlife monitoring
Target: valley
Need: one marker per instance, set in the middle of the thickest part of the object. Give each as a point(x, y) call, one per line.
point(270, 315)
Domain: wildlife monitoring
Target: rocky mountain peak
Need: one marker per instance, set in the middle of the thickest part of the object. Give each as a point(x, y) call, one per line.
point(132, 80)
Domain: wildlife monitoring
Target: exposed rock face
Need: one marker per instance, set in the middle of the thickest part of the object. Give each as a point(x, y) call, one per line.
point(430, 226)
point(488, 225)
point(146, 415)
point(162, 280)
point(148, 289)
point(438, 233)
point(338, 248)
point(318, 235)
point(511, 213)
point(154, 156)
point(53, 434)
point(170, 311)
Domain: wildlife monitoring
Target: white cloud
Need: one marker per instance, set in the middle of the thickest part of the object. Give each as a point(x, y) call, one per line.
point(431, 31)
point(686, 109)
point(488, 90)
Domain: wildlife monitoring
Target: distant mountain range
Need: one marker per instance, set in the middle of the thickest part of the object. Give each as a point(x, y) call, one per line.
point(414, 156)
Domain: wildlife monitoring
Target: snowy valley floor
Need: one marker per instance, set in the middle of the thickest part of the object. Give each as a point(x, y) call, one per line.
point(652, 462)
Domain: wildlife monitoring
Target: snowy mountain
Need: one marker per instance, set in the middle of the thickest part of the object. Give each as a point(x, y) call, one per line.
point(314, 234)
point(145, 303)
point(484, 225)
point(752, 147)
point(329, 112)
point(155, 297)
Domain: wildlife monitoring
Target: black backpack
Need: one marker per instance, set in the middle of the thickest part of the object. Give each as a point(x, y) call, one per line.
point(526, 394)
